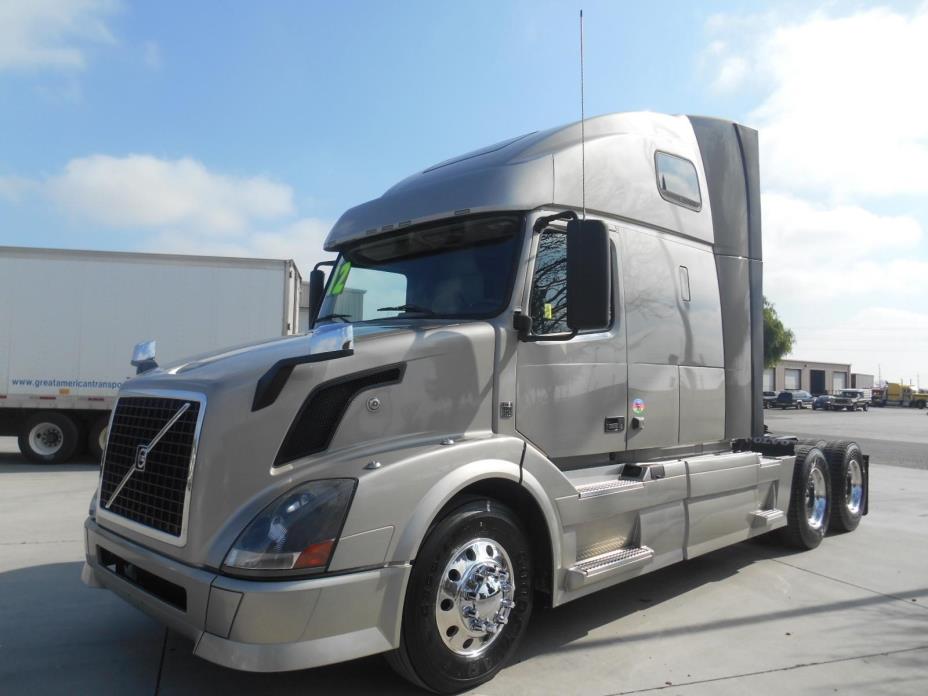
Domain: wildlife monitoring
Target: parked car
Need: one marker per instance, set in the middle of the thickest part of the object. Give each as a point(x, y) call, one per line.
point(770, 398)
point(822, 401)
point(851, 399)
point(797, 398)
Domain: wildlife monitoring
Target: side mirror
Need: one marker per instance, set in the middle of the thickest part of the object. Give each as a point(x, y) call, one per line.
point(316, 289)
point(143, 357)
point(589, 276)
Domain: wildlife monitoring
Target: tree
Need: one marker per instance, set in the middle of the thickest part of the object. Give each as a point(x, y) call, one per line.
point(778, 340)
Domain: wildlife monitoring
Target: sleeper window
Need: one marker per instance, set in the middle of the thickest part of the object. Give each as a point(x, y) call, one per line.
point(677, 180)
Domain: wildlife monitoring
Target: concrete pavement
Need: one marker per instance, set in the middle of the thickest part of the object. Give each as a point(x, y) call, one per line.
point(849, 617)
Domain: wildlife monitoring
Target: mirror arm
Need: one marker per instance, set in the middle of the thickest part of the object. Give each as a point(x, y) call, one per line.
point(545, 220)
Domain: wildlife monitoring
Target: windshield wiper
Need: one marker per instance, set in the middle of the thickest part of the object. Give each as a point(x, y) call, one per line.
point(406, 308)
point(326, 317)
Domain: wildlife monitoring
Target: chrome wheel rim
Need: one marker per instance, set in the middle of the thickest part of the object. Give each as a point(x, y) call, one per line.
point(101, 438)
point(854, 486)
point(475, 597)
point(46, 439)
point(816, 498)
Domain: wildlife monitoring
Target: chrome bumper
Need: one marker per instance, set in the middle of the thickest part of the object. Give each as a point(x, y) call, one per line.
point(252, 625)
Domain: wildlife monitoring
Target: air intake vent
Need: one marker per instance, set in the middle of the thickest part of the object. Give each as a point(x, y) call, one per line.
point(315, 424)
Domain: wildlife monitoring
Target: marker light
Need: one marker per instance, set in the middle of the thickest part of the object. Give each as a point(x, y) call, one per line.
point(297, 532)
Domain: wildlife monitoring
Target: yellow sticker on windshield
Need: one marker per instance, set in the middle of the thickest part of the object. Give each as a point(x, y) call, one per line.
point(549, 310)
point(341, 277)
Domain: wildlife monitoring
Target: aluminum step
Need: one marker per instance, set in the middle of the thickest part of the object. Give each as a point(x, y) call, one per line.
point(766, 518)
point(597, 568)
point(591, 490)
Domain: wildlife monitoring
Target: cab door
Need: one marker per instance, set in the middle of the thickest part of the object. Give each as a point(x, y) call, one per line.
point(571, 396)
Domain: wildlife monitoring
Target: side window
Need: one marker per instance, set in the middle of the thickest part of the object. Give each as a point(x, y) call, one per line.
point(677, 180)
point(548, 304)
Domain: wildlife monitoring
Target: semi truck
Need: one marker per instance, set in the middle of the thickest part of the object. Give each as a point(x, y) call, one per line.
point(68, 318)
point(898, 394)
point(528, 379)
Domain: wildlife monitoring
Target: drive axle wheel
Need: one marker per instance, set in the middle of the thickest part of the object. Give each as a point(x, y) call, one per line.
point(847, 484)
point(468, 601)
point(810, 500)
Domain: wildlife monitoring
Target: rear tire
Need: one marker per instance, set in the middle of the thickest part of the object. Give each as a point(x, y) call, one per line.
point(810, 500)
point(49, 438)
point(439, 648)
point(845, 461)
point(96, 438)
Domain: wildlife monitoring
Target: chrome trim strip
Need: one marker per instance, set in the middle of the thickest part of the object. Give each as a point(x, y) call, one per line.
point(114, 521)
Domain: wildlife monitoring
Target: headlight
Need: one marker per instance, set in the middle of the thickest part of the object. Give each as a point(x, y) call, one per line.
point(92, 511)
point(296, 532)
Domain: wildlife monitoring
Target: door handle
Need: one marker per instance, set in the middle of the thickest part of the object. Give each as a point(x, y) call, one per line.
point(638, 423)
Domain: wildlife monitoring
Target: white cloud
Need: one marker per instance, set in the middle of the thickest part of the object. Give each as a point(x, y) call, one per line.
point(15, 188)
point(846, 114)
point(843, 124)
point(901, 335)
point(141, 191)
point(52, 33)
point(151, 54)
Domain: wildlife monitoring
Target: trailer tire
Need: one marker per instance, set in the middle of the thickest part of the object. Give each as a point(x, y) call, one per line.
point(810, 500)
point(96, 437)
point(847, 484)
point(439, 649)
point(48, 437)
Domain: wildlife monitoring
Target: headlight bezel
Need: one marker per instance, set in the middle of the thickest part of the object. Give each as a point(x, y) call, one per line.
point(247, 559)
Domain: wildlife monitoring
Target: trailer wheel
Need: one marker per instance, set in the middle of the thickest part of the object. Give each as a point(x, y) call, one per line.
point(469, 599)
point(48, 437)
point(847, 484)
point(96, 437)
point(810, 500)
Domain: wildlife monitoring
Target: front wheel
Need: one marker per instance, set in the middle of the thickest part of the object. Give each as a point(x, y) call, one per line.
point(469, 599)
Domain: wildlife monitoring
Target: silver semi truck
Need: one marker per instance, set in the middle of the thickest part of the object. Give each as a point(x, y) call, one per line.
point(526, 382)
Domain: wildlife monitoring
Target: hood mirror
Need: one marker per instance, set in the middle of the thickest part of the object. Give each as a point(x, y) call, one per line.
point(331, 338)
point(143, 357)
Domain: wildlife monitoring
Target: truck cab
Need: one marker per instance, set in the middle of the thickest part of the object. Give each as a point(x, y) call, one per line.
point(526, 382)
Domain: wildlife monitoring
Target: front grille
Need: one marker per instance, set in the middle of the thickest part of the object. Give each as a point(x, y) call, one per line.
point(153, 496)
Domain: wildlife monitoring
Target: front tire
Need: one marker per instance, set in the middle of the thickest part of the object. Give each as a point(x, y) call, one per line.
point(810, 500)
point(847, 484)
point(49, 438)
point(468, 601)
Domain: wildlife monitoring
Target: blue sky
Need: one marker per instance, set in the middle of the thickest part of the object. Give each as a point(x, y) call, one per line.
point(247, 128)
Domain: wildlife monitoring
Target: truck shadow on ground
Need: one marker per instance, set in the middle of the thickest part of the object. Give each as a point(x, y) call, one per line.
point(92, 635)
point(15, 463)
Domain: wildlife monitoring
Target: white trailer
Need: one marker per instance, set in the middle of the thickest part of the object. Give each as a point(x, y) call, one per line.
point(69, 320)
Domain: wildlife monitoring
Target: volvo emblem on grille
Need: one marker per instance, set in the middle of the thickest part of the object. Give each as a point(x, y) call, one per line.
point(141, 457)
point(142, 451)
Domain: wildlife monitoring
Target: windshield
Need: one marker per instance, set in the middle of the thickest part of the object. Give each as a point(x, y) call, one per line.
point(453, 269)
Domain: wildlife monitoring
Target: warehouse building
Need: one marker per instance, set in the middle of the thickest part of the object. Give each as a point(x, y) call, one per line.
point(814, 377)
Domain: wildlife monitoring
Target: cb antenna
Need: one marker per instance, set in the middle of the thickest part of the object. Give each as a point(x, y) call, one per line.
point(582, 128)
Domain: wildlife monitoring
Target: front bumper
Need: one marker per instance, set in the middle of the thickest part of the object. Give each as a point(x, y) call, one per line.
point(257, 626)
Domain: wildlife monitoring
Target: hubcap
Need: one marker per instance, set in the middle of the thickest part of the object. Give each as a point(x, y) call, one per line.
point(816, 500)
point(854, 486)
point(475, 597)
point(46, 438)
point(102, 438)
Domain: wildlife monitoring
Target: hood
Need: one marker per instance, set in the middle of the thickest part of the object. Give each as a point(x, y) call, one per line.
point(442, 387)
